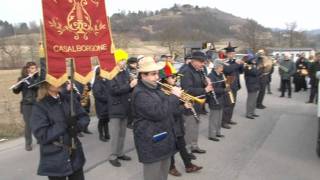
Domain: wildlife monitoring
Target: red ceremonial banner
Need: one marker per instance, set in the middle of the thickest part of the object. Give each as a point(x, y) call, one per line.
point(77, 29)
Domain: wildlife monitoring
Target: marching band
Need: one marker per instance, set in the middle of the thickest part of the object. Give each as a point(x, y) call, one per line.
point(163, 106)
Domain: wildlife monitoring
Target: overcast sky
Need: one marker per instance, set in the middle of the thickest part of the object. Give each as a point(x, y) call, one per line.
point(270, 13)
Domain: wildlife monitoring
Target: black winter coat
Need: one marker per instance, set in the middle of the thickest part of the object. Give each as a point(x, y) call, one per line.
point(220, 90)
point(101, 91)
point(120, 92)
point(29, 95)
point(152, 115)
point(183, 68)
point(49, 125)
point(178, 121)
point(234, 69)
point(314, 67)
point(252, 77)
point(193, 83)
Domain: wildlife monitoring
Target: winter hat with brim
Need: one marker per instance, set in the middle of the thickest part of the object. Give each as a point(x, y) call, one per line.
point(230, 48)
point(148, 64)
point(199, 56)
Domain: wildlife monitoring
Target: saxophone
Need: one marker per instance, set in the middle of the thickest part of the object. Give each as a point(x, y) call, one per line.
point(230, 94)
point(85, 96)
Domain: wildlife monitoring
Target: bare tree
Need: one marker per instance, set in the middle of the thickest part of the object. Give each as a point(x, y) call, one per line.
point(251, 33)
point(171, 38)
point(10, 54)
point(291, 28)
point(121, 40)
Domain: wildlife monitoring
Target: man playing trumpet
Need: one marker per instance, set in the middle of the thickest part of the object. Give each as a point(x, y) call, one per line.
point(152, 127)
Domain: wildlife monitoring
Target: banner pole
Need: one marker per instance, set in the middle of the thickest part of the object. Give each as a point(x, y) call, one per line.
point(72, 112)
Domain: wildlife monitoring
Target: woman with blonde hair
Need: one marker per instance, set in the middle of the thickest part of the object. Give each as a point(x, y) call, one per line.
point(61, 153)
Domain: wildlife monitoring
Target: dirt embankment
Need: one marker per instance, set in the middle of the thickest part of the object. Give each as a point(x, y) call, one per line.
point(11, 123)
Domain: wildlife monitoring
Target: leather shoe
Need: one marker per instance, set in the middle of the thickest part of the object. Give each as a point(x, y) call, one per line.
point(220, 136)
point(199, 151)
point(213, 139)
point(281, 96)
point(192, 156)
point(87, 131)
point(115, 163)
point(28, 147)
point(232, 123)
point(193, 168)
point(255, 115)
point(103, 139)
point(124, 158)
point(249, 117)
point(175, 172)
point(226, 126)
point(80, 135)
point(261, 107)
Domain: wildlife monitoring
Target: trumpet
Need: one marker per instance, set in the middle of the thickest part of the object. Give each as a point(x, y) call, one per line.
point(186, 98)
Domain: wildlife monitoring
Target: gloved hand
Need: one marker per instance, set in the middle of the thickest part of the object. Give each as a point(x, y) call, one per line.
point(72, 121)
point(72, 131)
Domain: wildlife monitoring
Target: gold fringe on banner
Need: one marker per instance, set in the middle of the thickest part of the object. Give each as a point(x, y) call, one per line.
point(83, 79)
point(57, 82)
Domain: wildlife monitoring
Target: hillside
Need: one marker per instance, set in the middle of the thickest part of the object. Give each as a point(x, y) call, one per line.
point(184, 22)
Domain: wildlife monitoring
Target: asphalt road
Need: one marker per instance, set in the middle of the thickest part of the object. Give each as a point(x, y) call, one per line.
point(279, 145)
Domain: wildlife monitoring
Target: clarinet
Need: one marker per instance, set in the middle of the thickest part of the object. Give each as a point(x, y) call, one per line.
point(195, 115)
point(211, 94)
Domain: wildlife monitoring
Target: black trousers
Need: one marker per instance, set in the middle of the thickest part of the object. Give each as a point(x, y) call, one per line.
point(26, 112)
point(262, 90)
point(269, 87)
point(300, 83)
point(78, 175)
point(103, 127)
point(285, 84)
point(313, 93)
point(181, 145)
point(228, 110)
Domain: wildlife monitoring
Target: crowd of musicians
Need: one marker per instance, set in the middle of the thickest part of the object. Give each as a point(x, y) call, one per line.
point(162, 105)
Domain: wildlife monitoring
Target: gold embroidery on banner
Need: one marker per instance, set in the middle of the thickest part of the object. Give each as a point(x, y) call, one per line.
point(78, 21)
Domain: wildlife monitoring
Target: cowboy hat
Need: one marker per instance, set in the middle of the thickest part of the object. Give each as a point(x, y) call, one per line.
point(148, 64)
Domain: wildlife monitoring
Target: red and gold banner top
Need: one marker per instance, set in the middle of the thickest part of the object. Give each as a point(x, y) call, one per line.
point(77, 29)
